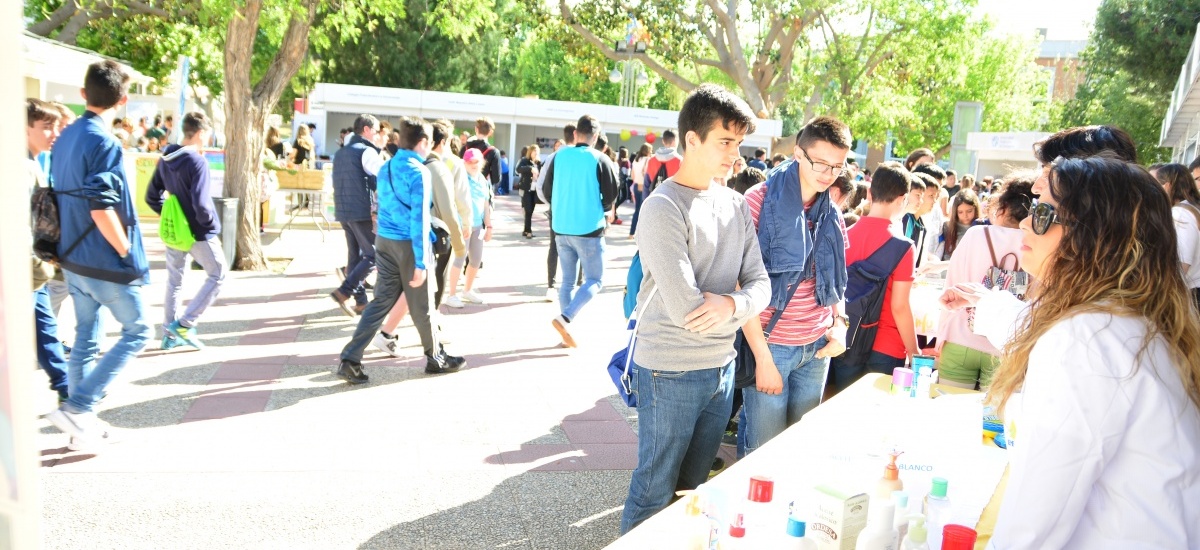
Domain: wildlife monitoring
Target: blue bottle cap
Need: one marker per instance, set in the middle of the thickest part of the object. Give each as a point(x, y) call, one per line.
point(795, 528)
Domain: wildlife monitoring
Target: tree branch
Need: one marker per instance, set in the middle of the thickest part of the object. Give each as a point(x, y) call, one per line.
point(604, 48)
point(70, 31)
point(292, 51)
point(55, 19)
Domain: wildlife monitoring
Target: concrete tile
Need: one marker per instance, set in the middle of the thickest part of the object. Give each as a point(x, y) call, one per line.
point(611, 456)
point(246, 371)
point(226, 405)
point(598, 431)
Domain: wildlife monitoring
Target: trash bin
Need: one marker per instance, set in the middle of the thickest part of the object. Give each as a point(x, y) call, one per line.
point(227, 209)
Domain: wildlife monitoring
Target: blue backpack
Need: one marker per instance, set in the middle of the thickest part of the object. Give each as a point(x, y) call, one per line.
point(633, 284)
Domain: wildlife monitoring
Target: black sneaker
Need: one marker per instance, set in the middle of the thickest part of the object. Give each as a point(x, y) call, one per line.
point(446, 363)
point(352, 372)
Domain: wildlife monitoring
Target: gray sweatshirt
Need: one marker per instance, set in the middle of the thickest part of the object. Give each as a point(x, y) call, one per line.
point(693, 242)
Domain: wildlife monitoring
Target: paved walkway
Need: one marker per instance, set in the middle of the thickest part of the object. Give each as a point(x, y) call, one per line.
point(253, 443)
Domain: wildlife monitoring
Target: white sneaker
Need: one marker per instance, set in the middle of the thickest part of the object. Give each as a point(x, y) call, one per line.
point(386, 345)
point(551, 294)
point(472, 296)
point(454, 302)
point(96, 442)
point(563, 327)
point(75, 424)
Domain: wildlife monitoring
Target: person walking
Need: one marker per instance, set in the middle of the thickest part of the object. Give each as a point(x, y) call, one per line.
point(403, 254)
point(552, 253)
point(41, 131)
point(484, 128)
point(355, 167)
point(528, 170)
point(480, 231)
point(100, 250)
point(183, 172)
point(637, 172)
point(581, 186)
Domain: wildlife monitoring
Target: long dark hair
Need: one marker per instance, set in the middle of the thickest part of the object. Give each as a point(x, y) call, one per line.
point(1086, 141)
point(1017, 197)
point(1183, 185)
point(1117, 255)
point(950, 231)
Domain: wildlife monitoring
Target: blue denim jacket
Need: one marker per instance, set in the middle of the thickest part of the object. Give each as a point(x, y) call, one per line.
point(791, 252)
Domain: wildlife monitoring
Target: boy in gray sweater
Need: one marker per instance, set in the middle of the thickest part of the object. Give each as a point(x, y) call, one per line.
point(703, 278)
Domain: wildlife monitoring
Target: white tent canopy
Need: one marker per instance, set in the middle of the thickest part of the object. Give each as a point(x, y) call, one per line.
point(55, 71)
point(519, 121)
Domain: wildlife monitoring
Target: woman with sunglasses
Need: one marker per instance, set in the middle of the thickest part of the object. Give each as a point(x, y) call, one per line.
point(1106, 450)
point(1177, 181)
point(997, 313)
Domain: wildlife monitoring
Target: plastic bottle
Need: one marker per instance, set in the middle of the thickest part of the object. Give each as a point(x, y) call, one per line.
point(879, 534)
point(917, 535)
point(762, 520)
point(958, 537)
point(737, 534)
point(796, 540)
point(890, 482)
point(697, 529)
point(900, 499)
point(937, 511)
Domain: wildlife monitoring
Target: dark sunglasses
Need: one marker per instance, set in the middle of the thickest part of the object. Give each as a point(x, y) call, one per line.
point(1042, 216)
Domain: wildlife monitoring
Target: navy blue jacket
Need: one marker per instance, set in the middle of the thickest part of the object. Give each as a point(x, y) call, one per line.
point(352, 185)
point(183, 172)
point(88, 170)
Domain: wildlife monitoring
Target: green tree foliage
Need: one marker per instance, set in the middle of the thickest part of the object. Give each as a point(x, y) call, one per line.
point(424, 56)
point(1133, 60)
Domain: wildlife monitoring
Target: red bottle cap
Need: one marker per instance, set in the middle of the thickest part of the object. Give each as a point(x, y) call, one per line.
point(762, 489)
point(736, 529)
point(958, 537)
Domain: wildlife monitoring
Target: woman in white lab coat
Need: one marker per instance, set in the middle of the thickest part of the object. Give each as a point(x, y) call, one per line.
point(1106, 451)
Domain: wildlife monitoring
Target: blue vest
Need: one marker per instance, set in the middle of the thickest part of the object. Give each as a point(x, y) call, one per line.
point(352, 186)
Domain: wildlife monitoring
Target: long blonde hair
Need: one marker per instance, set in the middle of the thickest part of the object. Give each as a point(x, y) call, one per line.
point(1118, 255)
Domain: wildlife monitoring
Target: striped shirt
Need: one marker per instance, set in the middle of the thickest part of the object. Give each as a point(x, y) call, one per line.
point(803, 320)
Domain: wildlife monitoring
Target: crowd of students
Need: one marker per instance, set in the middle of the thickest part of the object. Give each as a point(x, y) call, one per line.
point(1077, 287)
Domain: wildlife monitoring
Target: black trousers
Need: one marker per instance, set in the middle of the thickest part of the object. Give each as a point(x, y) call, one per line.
point(441, 267)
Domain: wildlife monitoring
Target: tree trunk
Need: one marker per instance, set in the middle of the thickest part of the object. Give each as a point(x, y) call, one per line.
point(246, 111)
point(243, 135)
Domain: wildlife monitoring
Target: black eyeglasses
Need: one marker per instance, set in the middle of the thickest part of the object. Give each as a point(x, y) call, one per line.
point(1042, 216)
point(821, 167)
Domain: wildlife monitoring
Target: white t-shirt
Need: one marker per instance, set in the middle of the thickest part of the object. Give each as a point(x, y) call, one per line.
point(1106, 451)
point(1189, 243)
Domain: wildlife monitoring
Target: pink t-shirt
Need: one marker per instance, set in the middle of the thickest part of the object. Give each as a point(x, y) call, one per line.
point(969, 264)
point(803, 320)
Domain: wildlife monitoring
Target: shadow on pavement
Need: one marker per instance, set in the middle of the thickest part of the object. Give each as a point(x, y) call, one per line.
point(547, 505)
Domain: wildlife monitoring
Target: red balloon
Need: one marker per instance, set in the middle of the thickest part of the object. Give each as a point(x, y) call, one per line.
point(651, 138)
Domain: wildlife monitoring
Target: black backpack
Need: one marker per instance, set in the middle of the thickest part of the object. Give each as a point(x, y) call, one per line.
point(867, 281)
point(659, 177)
point(47, 229)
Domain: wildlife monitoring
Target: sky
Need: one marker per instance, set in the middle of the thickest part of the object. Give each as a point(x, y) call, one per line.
point(1063, 19)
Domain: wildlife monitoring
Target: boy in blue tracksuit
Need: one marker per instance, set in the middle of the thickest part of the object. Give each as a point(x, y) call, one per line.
point(100, 250)
point(402, 252)
point(183, 172)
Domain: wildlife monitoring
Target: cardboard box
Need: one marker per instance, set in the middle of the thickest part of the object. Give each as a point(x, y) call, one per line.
point(838, 518)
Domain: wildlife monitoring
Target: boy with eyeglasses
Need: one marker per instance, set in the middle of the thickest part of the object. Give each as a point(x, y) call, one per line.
point(803, 242)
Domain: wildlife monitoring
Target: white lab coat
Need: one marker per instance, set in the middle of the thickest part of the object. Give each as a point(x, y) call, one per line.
point(1106, 452)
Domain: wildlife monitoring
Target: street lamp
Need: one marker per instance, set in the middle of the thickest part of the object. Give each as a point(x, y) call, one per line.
point(629, 72)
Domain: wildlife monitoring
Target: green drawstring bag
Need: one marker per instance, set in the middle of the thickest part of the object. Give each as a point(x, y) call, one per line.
point(173, 226)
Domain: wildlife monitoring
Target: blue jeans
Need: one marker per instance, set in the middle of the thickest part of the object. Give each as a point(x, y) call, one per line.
point(211, 257)
point(681, 418)
point(572, 252)
point(842, 374)
point(766, 416)
point(49, 348)
point(637, 208)
point(360, 258)
point(87, 377)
